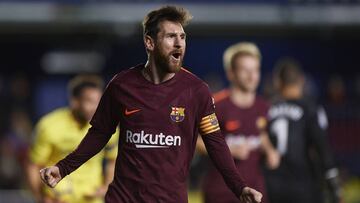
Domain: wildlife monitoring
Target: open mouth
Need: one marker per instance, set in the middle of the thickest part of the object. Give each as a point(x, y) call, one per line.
point(176, 56)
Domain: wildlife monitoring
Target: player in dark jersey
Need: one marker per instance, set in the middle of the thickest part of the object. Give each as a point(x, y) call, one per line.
point(242, 118)
point(160, 108)
point(298, 129)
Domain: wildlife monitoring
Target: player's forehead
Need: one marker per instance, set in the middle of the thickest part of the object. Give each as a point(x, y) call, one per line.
point(88, 92)
point(170, 27)
point(246, 60)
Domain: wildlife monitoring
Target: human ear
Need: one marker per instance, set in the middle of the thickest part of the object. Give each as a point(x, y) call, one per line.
point(149, 43)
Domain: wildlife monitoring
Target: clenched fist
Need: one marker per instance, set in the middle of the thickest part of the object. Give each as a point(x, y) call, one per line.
point(50, 176)
point(250, 195)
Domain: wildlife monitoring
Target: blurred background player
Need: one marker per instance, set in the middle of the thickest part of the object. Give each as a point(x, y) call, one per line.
point(58, 133)
point(242, 118)
point(298, 129)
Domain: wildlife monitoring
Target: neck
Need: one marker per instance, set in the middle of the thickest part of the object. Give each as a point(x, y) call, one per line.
point(242, 98)
point(81, 122)
point(155, 74)
point(291, 92)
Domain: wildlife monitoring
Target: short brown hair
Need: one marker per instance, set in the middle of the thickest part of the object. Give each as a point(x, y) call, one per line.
point(170, 13)
point(80, 82)
point(288, 71)
point(242, 48)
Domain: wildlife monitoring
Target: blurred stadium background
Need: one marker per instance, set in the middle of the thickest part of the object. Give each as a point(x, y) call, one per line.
point(43, 43)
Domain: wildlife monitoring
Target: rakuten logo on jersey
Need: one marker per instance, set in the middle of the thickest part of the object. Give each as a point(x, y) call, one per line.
point(145, 140)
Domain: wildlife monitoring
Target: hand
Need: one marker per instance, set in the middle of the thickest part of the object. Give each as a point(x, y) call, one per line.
point(50, 176)
point(273, 159)
point(333, 185)
point(250, 195)
point(240, 152)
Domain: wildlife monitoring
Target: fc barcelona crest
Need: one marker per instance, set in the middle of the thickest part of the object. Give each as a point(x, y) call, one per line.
point(177, 114)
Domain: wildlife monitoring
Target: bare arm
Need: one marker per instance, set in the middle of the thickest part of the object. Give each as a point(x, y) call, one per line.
point(240, 152)
point(32, 176)
point(272, 155)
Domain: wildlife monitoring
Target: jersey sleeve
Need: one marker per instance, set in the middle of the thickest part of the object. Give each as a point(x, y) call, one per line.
point(107, 115)
point(40, 149)
point(215, 144)
point(103, 125)
point(206, 114)
point(317, 132)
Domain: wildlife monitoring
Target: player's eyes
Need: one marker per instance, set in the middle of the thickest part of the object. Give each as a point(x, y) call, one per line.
point(182, 36)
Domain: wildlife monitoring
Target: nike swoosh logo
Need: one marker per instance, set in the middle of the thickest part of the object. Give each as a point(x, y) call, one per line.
point(127, 112)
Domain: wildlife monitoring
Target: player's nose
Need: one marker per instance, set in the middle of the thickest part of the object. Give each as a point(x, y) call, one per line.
point(178, 42)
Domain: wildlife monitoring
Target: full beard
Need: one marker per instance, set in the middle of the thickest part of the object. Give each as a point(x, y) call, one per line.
point(166, 63)
point(80, 117)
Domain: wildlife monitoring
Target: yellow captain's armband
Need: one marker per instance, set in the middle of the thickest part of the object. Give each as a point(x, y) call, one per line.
point(209, 124)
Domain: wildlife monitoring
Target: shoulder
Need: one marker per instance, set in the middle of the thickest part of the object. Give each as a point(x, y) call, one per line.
point(262, 103)
point(316, 110)
point(125, 75)
point(221, 96)
point(191, 79)
point(198, 88)
point(54, 118)
point(309, 106)
point(56, 114)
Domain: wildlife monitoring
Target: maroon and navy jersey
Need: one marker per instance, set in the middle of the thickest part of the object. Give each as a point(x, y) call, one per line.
point(159, 124)
point(239, 126)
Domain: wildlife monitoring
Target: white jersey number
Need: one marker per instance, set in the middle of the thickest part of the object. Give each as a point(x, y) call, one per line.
point(280, 128)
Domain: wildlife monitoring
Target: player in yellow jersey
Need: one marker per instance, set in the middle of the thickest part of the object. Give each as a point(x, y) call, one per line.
point(59, 133)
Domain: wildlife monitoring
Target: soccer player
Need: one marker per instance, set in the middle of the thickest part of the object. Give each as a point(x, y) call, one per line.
point(298, 128)
point(242, 118)
point(161, 108)
point(58, 133)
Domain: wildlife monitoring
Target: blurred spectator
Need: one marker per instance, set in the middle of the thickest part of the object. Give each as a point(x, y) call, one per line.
point(20, 92)
point(356, 99)
point(337, 104)
point(13, 150)
point(310, 87)
point(336, 90)
point(357, 87)
point(16, 95)
point(3, 107)
point(342, 114)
